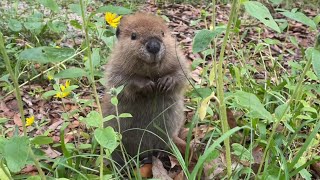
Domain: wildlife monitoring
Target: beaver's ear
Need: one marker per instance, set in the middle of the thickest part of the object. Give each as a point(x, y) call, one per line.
point(118, 32)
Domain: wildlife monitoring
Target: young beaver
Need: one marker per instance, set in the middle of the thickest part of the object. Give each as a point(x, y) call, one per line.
point(152, 69)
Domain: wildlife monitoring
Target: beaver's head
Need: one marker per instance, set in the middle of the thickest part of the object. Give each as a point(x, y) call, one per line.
point(143, 37)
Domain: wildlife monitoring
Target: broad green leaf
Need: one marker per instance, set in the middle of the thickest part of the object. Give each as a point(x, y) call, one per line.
point(107, 138)
point(51, 4)
point(119, 89)
point(75, 24)
point(33, 25)
point(71, 73)
point(95, 57)
point(46, 54)
point(294, 41)
point(114, 101)
point(57, 26)
point(93, 119)
point(259, 11)
point(49, 94)
point(125, 115)
point(85, 146)
point(253, 105)
point(75, 8)
point(71, 88)
point(203, 38)
point(108, 118)
point(280, 111)
point(3, 141)
point(41, 140)
point(242, 152)
point(114, 9)
point(109, 41)
point(15, 25)
point(16, 152)
point(300, 17)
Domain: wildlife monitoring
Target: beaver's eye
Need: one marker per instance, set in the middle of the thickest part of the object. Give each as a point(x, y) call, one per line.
point(162, 33)
point(133, 36)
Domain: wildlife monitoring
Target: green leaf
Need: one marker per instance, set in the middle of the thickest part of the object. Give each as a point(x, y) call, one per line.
point(75, 24)
point(259, 11)
point(114, 100)
point(51, 4)
point(280, 110)
point(85, 146)
point(46, 54)
point(108, 118)
point(3, 175)
point(34, 178)
point(114, 9)
point(107, 138)
point(109, 41)
point(33, 25)
point(242, 152)
point(276, 2)
point(15, 25)
point(49, 94)
point(3, 142)
point(95, 57)
point(16, 153)
point(307, 144)
point(125, 115)
point(203, 38)
point(71, 73)
point(57, 26)
point(75, 8)
point(3, 120)
point(316, 62)
point(300, 17)
point(316, 19)
point(253, 105)
point(93, 119)
point(119, 89)
point(202, 159)
point(41, 140)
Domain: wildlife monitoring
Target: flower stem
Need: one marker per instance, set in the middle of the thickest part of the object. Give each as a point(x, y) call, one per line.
point(19, 99)
point(15, 83)
point(87, 41)
point(220, 92)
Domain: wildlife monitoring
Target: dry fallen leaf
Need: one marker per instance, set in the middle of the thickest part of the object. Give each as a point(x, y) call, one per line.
point(215, 168)
point(146, 171)
point(17, 120)
point(158, 171)
point(52, 153)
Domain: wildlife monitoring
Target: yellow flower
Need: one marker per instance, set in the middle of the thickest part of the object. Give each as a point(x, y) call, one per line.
point(50, 75)
point(29, 121)
point(63, 92)
point(112, 19)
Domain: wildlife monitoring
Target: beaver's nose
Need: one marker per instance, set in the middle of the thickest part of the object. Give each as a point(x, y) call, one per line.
point(153, 46)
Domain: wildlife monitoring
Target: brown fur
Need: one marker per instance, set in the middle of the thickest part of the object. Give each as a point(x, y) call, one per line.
point(154, 85)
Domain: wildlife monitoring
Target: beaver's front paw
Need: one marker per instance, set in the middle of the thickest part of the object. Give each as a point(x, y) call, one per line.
point(148, 87)
point(165, 83)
